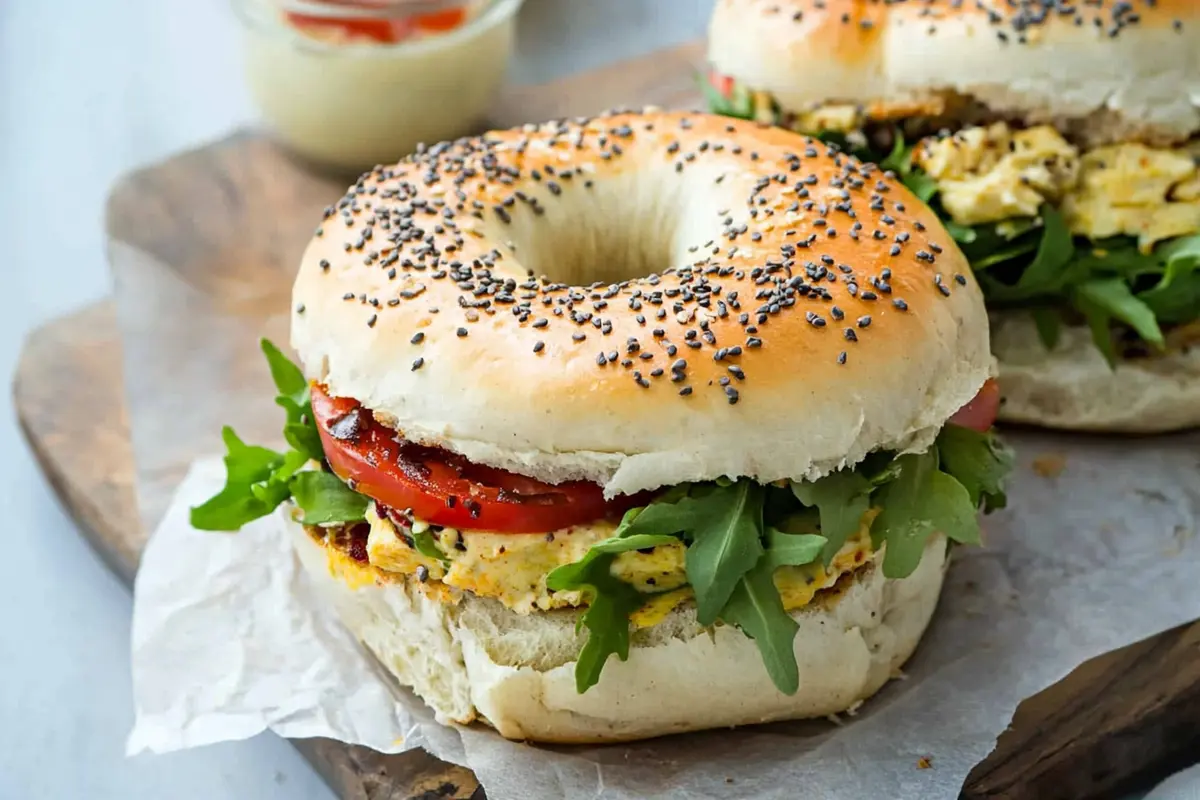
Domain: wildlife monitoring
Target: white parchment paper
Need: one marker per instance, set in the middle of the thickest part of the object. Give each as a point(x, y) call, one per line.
point(1098, 549)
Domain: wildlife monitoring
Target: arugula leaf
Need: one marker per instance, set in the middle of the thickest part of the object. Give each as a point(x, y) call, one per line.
point(324, 499)
point(665, 515)
point(607, 621)
point(963, 234)
point(294, 398)
point(1048, 322)
point(1185, 248)
point(757, 609)
point(1121, 258)
point(919, 502)
point(258, 479)
point(611, 601)
point(723, 525)
point(733, 554)
point(920, 184)
point(979, 461)
point(880, 467)
point(899, 160)
point(1107, 281)
point(246, 466)
point(1054, 252)
point(1003, 253)
point(287, 376)
point(424, 544)
point(725, 545)
point(841, 498)
point(637, 541)
point(1111, 298)
point(1100, 323)
point(791, 549)
point(1176, 296)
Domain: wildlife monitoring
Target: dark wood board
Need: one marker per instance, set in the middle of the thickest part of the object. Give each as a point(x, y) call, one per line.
point(202, 248)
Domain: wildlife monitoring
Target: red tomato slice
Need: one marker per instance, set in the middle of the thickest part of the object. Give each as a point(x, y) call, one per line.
point(722, 83)
point(980, 413)
point(444, 488)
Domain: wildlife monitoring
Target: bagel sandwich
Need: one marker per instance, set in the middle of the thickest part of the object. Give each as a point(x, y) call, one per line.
point(1060, 145)
point(630, 425)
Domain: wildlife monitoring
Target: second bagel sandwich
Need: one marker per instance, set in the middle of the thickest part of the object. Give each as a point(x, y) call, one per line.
point(1059, 143)
point(630, 425)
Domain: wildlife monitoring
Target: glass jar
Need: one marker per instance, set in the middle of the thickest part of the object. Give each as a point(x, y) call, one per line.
point(349, 90)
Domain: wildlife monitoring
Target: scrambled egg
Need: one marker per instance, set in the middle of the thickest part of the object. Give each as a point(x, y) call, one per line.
point(797, 585)
point(839, 118)
point(512, 568)
point(993, 174)
point(1138, 191)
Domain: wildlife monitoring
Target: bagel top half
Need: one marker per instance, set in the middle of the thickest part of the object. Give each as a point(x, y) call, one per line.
point(1114, 69)
point(640, 300)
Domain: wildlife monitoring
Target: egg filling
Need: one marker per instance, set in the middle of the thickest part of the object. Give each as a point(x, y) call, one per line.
point(512, 568)
point(1104, 236)
point(996, 173)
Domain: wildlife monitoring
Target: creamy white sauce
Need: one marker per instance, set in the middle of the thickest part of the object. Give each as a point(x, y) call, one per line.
point(354, 105)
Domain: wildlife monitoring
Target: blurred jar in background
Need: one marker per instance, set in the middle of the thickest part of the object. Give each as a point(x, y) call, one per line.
point(348, 84)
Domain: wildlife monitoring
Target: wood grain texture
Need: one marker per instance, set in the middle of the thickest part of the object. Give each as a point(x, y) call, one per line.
point(203, 248)
point(70, 406)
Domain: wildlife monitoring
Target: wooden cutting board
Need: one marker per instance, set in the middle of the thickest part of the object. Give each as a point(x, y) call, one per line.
point(202, 249)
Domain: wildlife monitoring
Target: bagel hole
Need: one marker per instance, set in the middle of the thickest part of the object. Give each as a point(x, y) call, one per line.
point(618, 230)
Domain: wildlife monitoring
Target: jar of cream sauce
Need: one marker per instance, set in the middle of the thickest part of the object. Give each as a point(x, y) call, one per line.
point(350, 90)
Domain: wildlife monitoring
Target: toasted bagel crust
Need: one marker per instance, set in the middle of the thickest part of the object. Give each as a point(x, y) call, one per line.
point(1109, 70)
point(752, 259)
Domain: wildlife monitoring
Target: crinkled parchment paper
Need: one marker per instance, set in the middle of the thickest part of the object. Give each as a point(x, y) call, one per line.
point(1098, 549)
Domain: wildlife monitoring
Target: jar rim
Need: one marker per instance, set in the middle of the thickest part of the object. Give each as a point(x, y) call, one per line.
point(258, 14)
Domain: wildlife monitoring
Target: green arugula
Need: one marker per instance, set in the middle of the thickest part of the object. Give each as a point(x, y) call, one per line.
point(1045, 274)
point(920, 501)
point(424, 544)
point(610, 600)
point(900, 162)
point(841, 499)
point(258, 479)
point(756, 608)
point(979, 461)
point(738, 533)
point(1048, 322)
point(1105, 283)
point(725, 546)
point(1037, 264)
point(1175, 298)
point(325, 500)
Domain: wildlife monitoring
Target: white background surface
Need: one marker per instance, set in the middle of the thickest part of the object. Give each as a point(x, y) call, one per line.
point(88, 90)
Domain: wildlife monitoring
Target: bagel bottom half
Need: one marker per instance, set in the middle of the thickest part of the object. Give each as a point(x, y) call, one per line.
point(1072, 387)
point(474, 659)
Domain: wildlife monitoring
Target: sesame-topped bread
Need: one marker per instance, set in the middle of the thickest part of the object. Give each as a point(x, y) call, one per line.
point(1103, 70)
point(641, 300)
